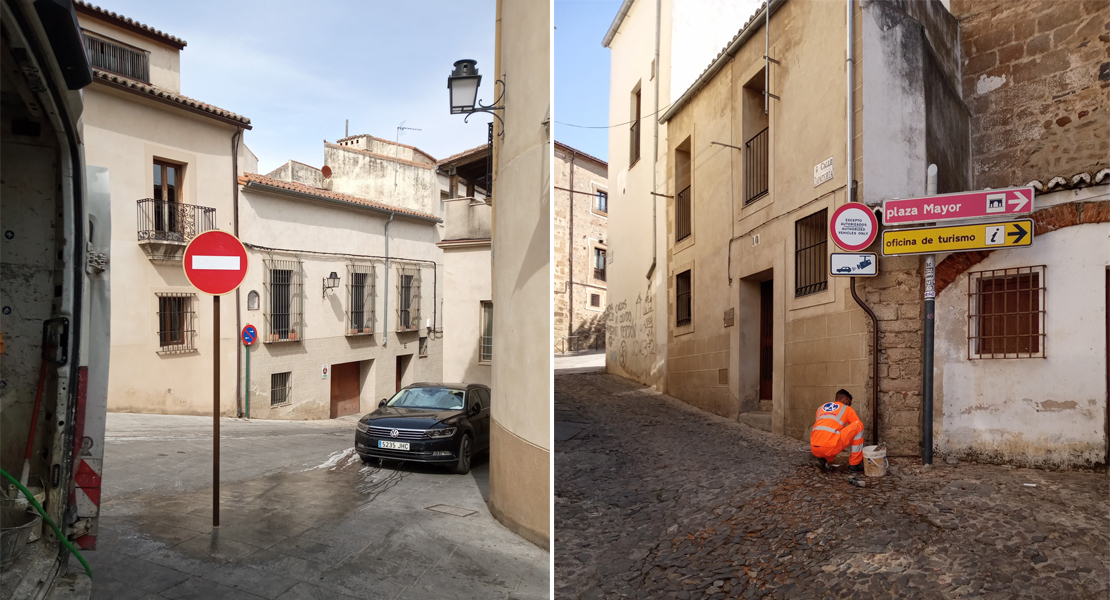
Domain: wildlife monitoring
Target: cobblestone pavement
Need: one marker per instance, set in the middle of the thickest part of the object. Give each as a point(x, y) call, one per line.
point(656, 499)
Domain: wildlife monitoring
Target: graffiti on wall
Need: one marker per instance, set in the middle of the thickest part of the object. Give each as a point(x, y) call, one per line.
point(630, 329)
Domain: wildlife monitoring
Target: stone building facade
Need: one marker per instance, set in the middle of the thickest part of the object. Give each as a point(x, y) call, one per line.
point(754, 335)
point(580, 230)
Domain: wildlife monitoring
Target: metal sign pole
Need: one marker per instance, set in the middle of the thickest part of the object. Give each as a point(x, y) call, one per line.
point(927, 359)
point(215, 410)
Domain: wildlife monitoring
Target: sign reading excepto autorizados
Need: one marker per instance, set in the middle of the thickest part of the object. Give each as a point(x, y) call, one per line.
point(958, 238)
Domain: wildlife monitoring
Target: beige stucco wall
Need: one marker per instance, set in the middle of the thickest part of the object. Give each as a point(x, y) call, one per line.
point(467, 283)
point(125, 133)
point(820, 340)
point(520, 454)
point(274, 220)
point(638, 350)
point(165, 61)
point(580, 318)
point(379, 177)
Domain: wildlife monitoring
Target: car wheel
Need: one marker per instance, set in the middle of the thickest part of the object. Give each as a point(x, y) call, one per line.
point(466, 448)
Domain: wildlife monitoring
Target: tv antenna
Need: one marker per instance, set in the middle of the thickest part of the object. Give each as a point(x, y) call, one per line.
point(396, 147)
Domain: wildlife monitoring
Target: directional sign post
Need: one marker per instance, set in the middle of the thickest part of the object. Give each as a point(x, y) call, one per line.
point(250, 335)
point(984, 204)
point(958, 238)
point(215, 263)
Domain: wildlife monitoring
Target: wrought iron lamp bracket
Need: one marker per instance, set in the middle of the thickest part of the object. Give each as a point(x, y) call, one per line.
point(483, 108)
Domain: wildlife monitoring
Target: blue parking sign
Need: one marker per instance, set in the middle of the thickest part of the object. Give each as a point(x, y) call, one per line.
point(250, 334)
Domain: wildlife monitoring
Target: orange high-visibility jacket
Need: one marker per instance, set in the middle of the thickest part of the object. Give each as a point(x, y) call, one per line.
point(832, 417)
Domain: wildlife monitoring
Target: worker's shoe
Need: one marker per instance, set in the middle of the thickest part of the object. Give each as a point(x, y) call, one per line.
point(823, 465)
point(855, 468)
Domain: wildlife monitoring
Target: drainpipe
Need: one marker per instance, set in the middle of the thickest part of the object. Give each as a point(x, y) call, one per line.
point(655, 148)
point(385, 293)
point(235, 139)
point(570, 253)
point(852, 191)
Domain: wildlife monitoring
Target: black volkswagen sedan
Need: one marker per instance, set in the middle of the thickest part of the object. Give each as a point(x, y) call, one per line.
point(445, 423)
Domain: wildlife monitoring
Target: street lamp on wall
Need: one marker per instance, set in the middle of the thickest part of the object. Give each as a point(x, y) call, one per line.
point(463, 86)
point(331, 282)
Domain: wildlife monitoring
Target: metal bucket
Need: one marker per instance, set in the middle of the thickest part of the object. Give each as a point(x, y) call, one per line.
point(15, 527)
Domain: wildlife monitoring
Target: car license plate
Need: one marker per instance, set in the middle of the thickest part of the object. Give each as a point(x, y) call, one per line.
point(393, 445)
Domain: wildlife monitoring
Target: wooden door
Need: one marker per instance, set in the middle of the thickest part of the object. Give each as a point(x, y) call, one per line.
point(345, 389)
point(766, 338)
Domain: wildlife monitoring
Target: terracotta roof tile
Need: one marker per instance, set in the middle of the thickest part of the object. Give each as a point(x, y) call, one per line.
point(464, 154)
point(565, 147)
point(157, 92)
point(128, 23)
point(1076, 181)
point(264, 181)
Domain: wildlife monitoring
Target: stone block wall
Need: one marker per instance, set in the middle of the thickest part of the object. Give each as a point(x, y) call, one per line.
point(1036, 77)
point(895, 295)
point(697, 371)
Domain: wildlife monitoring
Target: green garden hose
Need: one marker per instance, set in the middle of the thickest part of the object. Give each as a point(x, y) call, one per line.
point(57, 532)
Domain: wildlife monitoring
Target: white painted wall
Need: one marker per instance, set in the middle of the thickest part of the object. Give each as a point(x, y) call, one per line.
point(467, 280)
point(165, 61)
point(1037, 411)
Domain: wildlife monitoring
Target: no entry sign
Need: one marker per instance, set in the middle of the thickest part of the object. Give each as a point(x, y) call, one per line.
point(215, 262)
point(853, 227)
point(991, 204)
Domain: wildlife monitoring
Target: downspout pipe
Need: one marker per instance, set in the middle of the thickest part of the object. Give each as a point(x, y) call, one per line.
point(385, 292)
point(236, 138)
point(852, 191)
point(570, 252)
point(655, 148)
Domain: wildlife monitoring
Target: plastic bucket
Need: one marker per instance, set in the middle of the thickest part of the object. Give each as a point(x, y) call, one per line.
point(874, 461)
point(15, 527)
point(18, 500)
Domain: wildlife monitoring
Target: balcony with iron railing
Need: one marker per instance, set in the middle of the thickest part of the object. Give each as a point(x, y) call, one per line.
point(756, 167)
point(165, 228)
point(599, 274)
point(683, 220)
point(117, 58)
point(634, 143)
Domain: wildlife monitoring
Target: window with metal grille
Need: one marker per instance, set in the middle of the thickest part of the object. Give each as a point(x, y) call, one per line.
point(811, 267)
point(116, 57)
point(595, 300)
point(602, 201)
point(756, 164)
point(683, 299)
point(1005, 313)
point(423, 347)
point(283, 300)
point(361, 298)
point(176, 322)
point(408, 298)
point(281, 388)
point(599, 264)
point(485, 341)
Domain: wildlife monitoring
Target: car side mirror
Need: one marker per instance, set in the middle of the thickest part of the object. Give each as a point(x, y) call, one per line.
point(474, 409)
point(382, 403)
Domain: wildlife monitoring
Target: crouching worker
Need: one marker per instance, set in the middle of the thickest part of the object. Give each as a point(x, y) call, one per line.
point(837, 428)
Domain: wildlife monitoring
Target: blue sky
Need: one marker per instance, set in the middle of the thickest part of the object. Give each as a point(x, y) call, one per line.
point(298, 70)
point(582, 73)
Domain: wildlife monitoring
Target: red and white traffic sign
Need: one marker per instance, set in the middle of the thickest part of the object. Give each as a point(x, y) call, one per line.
point(215, 262)
point(963, 205)
point(853, 226)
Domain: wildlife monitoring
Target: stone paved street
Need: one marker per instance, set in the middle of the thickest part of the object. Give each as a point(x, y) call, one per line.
point(656, 499)
point(301, 517)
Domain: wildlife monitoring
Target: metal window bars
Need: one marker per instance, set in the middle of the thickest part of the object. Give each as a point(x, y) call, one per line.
point(281, 388)
point(423, 346)
point(1006, 313)
point(165, 220)
point(756, 167)
point(408, 298)
point(634, 141)
point(485, 340)
point(811, 270)
point(176, 322)
point(284, 312)
point(117, 58)
point(683, 219)
point(361, 299)
point(683, 299)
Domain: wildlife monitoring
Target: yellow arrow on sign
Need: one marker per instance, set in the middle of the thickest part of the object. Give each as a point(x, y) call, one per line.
point(958, 238)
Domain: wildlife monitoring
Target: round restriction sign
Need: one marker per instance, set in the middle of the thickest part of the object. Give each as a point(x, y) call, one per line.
point(853, 227)
point(215, 262)
point(250, 334)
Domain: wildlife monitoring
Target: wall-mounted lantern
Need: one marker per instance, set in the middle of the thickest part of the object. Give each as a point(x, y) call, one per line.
point(331, 282)
point(463, 86)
